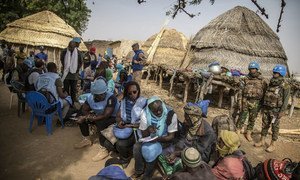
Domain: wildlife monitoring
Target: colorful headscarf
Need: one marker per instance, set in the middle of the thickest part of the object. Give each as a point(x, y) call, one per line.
point(108, 74)
point(161, 121)
point(195, 115)
point(119, 67)
point(231, 141)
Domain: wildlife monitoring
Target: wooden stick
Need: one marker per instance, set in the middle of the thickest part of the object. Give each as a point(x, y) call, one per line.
point(186, 90)
point(222, 84)
point(148, 75)
point(293, 103)
point(221, 94)
point(172, 82)
point(160, 78)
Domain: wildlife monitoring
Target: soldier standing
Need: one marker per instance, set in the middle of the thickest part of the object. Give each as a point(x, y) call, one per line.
point(252, 94)
point(275, 103)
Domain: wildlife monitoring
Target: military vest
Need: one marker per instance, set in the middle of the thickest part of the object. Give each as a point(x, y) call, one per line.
point(274, 96)
point(253, 88)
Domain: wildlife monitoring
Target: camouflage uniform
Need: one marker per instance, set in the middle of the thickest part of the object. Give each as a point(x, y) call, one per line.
point(275, 102)
point(252, 94)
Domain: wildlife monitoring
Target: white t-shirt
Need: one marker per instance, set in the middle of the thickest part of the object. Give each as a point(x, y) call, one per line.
point(33, 77)
point(171, 128)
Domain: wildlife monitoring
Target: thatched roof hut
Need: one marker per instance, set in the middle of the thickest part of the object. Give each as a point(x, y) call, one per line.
point(41, 29)
point(236, 38)
point(171, 48)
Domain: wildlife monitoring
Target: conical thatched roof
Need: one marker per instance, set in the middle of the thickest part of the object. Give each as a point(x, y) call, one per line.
point(236, 38)
point(41, 29)
point(171, 49)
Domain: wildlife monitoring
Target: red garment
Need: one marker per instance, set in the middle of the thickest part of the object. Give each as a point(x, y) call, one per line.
point(229, 168)
point(93, 50)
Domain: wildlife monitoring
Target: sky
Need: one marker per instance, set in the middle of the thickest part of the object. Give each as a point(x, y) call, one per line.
point(126, 19)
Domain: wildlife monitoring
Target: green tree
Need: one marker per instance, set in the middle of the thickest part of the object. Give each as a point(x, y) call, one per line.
point(74, 12)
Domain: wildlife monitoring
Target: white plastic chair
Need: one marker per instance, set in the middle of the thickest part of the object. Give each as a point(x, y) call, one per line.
point(10, 89)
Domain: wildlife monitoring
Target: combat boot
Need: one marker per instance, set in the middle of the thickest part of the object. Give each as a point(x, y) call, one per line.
point(248, 136)
point(261, 142)
point(271, 148)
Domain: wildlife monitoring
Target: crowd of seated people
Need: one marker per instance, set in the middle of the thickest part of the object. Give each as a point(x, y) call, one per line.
point(146, 129)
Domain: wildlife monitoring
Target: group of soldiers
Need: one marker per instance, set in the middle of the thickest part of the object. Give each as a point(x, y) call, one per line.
point(271, 97)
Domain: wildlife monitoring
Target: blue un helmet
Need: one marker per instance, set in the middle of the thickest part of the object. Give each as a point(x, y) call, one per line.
point(281, 69)
point(254, 65)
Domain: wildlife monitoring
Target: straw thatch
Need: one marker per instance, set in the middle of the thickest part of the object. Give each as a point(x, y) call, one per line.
point(41, 29)
point(236, 38)
point(171, 49)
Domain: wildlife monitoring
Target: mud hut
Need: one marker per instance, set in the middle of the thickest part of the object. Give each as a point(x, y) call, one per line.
point(41, 29)
point(236, 38)
point(100, 45)
point(170, 50)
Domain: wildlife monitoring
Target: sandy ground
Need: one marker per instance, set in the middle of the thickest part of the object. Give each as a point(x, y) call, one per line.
point(35, 155)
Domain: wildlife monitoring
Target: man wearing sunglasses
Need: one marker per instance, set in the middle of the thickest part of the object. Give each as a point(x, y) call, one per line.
point(104, 106)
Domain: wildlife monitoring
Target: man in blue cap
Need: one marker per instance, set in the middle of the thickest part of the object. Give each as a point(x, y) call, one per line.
point(42, 55)
point(20, 72)
point(104, 106)
point(71, 60)
point(252, 94)
point(275, 103)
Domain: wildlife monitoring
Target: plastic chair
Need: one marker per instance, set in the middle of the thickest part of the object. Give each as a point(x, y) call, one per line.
point(10, 89)
point(42, 108)
point(18, 88)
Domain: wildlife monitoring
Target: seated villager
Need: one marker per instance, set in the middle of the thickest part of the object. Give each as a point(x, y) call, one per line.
point(104, 106)
point(128, 117)
point(194, 167)
point(229, 165)
point(110, 81)
point(153, 124)
point(20, 72)
point(88, 76)
point(199, 133)
point(33, 75)
point(50, 82)
point(113, 172)
point(120, 85)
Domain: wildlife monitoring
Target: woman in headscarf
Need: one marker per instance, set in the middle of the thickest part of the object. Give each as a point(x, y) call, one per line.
point(153, 123)
point(229, 165)
point(128, 117)
point(110, 81)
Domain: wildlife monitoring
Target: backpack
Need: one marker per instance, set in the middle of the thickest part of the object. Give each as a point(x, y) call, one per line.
point(276, 169)
point(181, 130)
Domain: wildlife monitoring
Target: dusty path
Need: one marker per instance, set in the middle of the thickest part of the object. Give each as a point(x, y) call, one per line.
point(38, 156)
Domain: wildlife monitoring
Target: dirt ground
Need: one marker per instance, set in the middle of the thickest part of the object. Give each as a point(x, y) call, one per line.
point(35, 155)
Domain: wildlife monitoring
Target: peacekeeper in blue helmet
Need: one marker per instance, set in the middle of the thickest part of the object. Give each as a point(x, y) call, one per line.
point(104, 106)
point(252, 94)
point(275, 103)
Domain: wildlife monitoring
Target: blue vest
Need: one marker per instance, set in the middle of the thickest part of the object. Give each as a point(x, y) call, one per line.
point(99, 107)
point(47, 81)
point(137, 67)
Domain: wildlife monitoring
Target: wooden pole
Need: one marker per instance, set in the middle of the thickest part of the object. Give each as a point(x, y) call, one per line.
point(148, 75)
point(172, 83)
point(293, 103)
point(221, 94)
point(160, 78)
point(186, 90)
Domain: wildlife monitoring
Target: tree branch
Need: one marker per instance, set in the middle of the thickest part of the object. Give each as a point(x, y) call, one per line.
point(261, 9)
point(283, 3)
